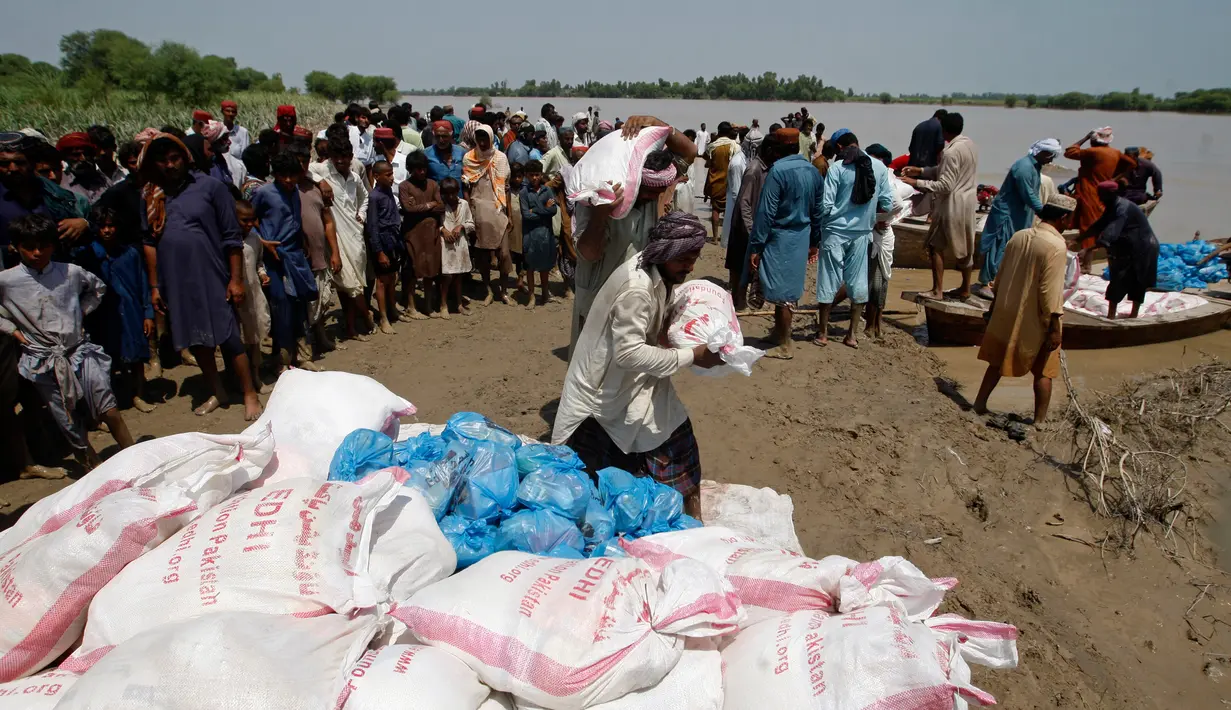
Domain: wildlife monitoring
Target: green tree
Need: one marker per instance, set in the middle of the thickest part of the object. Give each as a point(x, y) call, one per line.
point(1031, 100)
point(105, 60)
point(14, 66)
point(886, 98)
point(380, 88)
point(323, 84)
point(352, 87)
point(177, 71)
point(1010, 101)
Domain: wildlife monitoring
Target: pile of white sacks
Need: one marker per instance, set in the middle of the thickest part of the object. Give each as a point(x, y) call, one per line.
point(220, 572)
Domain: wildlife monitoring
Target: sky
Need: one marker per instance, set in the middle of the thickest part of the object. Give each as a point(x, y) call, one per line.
point(904, 46)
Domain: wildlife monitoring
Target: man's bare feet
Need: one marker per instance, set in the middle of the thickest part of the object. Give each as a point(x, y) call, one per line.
point(210, 405)
point(463, 310)
point(979, 408)
point(779, 353)
point(821, 341)
point(487, 300)
point(142, 406)
point(413, 315)
point(309, 366)
point(153, 370)
point(188, 358)
point(252, 407)
point(385, 328)
point(443, 313)
point(50, 473)
point(531, 302)
point(932, 296)
point(850, 342)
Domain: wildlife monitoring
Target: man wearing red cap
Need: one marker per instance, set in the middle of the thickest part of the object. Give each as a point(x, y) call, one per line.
point(387, 143)
point(199, 119)
point(82, 176)
point(239, 135)
point(285, 125)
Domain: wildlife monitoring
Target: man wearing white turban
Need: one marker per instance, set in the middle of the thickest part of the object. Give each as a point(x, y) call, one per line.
point(1014, 208)
point(581, 129)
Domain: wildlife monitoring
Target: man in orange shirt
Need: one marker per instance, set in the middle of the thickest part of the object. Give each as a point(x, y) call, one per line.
point(1100, 162)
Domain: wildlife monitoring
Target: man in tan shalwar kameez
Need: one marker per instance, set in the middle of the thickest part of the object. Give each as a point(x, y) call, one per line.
point(1024, 331)
point(954, 186)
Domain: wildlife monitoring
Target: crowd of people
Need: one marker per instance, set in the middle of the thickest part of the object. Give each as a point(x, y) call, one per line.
point(182, 243)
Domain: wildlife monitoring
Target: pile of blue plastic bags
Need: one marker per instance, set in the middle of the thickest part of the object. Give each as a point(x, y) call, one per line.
point(492, 493)
point(1178, 266)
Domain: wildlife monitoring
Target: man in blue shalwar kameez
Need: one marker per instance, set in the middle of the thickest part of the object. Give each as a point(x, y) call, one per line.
point(292, 284)
point(786, 233)
point(1014, 208)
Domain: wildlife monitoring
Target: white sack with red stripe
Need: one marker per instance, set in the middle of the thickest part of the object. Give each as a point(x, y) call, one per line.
point(570, 634)
point(207, 467)
point(873, 658)
point(409, 551)
point(38, 692)
point(47, 581)
point(772, 581)
point(694, 684)
point(611, 161)
point(411, 677)
point(228, 661)
point(312, 412)
point(702, 314)
point(761, 513)
point(298, 548)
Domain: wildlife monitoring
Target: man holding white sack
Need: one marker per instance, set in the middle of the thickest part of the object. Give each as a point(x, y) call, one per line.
point(619, 407)
point(604, 243)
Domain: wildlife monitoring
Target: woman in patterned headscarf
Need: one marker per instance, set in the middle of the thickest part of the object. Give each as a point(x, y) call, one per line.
point(485, 171)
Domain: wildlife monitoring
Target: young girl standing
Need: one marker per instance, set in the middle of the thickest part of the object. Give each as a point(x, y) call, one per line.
point(455, 249)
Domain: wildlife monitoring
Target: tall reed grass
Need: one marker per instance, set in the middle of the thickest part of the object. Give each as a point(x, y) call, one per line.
point(54, 110)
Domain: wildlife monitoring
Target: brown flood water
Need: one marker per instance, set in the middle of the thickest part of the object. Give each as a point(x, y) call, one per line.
point(1090, 369)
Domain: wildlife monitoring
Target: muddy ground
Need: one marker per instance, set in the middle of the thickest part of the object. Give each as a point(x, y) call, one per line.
point(878, 459)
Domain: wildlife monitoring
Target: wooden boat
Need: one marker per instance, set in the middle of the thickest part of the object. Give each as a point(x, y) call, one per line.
point(911, 233)
point(961, 323)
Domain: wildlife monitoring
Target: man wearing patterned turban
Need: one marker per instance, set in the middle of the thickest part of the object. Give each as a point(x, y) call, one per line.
point(619, 407)
point(604, 243)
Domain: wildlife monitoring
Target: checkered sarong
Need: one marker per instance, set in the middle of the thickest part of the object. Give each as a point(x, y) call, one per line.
point(676, 462)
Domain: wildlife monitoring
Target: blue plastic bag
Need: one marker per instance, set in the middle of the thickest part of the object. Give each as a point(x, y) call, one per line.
point(542, 532)
point(423, 447)
point(666, 505)
point(1212, 273)
point(363, 451)
point(610, 548)
point(536, 456)
point(565, 491)
point(685, 522)
point(439, 480)
point(490, 485)
point(476, 427)
point(1170, 280)
point(472, 540)
point(625, 496)
point(597, 525)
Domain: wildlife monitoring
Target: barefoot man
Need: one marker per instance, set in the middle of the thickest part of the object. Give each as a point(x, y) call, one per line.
point(195, 259)
point(954, 185)
point(1024, 332)
point(618, 407)
point(786, 234)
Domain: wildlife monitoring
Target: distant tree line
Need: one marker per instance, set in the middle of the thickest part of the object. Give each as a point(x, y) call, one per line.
point(105, 61)
point(351, 87)
point(806, 89)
